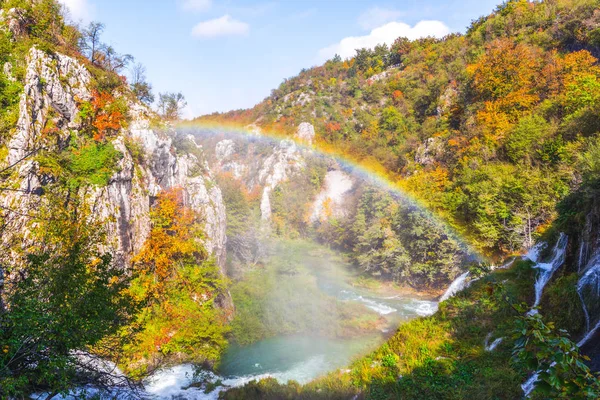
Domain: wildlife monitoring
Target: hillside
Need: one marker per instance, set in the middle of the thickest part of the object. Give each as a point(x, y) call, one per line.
point(488, 128)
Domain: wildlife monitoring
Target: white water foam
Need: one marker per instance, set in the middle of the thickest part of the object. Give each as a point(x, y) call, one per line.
point(492, 346)
point(456, 286)
point(548, 269)
point(529, 384)
point(590, 280)
point(422, 308)
point(379, 308)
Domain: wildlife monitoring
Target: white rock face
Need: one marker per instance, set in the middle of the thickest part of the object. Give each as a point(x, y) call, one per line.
point(225, 152)
point(426, 153)
point(306, 133)
point(254, 129)
point(330, 202)
point(44, 91)
point(277, 168)
point(53, 87)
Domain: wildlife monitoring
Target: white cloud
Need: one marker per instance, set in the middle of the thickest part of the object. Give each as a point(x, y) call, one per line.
point(376, 16)
point(387, 34)
point(196, 5)
point(79, 9)
point(223, 26)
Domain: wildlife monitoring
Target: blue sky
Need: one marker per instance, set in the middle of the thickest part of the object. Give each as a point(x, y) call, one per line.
point(229, 54)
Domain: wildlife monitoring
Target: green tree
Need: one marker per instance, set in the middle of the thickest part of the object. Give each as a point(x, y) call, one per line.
point(60, 304)
point(562, 371)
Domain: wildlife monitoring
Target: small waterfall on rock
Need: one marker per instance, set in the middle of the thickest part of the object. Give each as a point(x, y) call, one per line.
point(583, 250)
point(492, 346)
point(548, 269)
point(529, 385)
point(588, 289)
point(546, 272)
point(456, 286)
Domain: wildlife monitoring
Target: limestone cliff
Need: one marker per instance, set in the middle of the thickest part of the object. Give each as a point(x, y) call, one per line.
point(55, 87)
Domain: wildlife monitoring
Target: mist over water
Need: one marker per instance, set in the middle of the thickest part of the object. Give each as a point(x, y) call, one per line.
point(304, 357)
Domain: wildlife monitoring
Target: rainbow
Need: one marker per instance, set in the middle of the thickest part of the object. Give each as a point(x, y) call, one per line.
point(377, 176)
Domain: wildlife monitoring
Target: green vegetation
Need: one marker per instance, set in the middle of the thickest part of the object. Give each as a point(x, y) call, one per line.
point(70, 297)
point(90, 164)
point(389, 239)
point(563, 373)
point(177, 286)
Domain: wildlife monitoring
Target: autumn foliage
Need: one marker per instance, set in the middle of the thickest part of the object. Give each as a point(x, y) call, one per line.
point(177, 284)
point(104, 115)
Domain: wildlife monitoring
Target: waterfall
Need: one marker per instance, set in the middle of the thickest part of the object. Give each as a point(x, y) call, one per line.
point(548, 269)
point(583, 249)
point(529, 385)
point(546, 272)
point(491, 346)
point(534, 253)
point(456, 286)
point(588, 289)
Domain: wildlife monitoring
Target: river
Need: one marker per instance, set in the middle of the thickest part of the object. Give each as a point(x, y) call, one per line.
point(300, 357)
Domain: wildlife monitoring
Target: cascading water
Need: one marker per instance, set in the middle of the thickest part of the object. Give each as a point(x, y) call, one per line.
point(588, 289)
point(583, 250)
point(459, 284)
point(492, 346)
point(548, 269)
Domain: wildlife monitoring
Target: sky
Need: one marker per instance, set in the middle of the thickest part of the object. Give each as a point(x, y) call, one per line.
point(229, 54)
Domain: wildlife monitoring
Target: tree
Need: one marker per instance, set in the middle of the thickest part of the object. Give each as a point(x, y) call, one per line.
point(562, 372)
point(170, 105)
point(60, 306)
point(113, 61)
point(139, 85)
point(99, 53)
point(90, 43)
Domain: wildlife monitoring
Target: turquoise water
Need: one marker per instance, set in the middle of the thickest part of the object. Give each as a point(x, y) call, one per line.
point(300, 358)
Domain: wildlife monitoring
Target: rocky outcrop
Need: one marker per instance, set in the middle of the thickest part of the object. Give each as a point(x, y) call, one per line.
point(277, 168)
point(330, 202)
point(14, 21)
point(55, 86)
point(225, 153)
point(306, 133)
point(428, 151)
